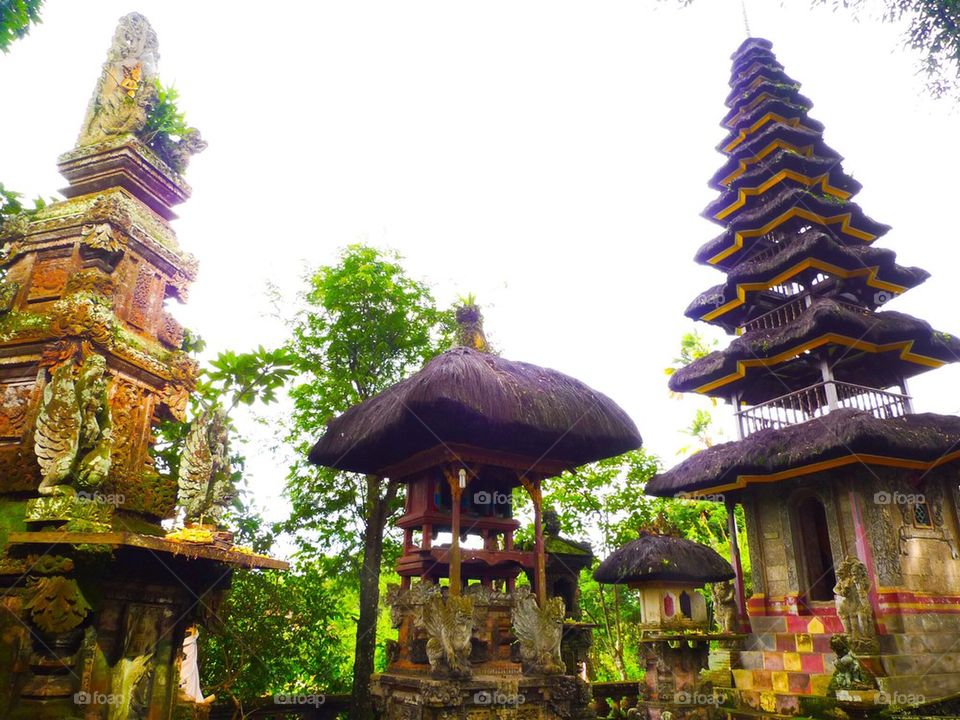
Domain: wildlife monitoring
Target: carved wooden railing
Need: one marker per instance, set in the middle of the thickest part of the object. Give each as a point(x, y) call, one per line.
point(312, 706)
point(814, 401)
point(779, 316)
point(614, 699)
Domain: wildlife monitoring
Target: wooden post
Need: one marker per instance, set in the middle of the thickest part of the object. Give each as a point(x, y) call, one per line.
point(539, 562)
point(741, 595)
point(456, 491)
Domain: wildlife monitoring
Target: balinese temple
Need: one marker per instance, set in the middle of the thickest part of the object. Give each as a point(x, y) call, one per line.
point(96, 598)
point(850, 497)
point(461, 435)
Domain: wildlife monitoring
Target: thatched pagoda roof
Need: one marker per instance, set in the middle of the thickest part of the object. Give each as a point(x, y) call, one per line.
point(769, 89)
point(907, 345)
point(779, 164)
point(752, 116)
point(778, 134)
point(790, 205)
point(853, 435)
point(876, 268)
point(654, 557)
point(465, 397)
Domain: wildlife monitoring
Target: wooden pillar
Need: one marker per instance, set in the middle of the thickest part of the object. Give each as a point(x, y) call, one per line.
point(829, 387)
point(532, 485)
point(456, 584)
point(741, 595)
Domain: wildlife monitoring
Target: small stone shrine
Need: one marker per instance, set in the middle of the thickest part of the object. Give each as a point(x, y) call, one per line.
point(676, 630)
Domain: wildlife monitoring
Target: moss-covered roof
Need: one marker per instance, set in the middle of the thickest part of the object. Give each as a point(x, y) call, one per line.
point(485, 401)
point(654, 557)
point(840, 434)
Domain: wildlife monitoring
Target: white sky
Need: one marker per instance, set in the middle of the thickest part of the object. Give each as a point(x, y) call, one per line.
point(551, 157)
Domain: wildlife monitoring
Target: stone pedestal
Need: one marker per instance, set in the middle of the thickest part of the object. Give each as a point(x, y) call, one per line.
point(466, 657)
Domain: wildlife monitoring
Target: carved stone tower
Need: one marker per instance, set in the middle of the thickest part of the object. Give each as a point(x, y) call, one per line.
point(96, 600)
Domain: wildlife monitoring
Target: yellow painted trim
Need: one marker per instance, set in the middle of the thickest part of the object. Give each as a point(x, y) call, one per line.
point(844, 219)
point(731, 123)
point(918, 593)
point(905, 347)
point(806, 150)
point(743, 480)
point(809, 263)
point(920, 606)
point(786, 174)
point(769, 117)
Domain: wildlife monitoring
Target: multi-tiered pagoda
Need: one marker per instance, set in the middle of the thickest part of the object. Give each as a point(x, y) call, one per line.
point(847, 493)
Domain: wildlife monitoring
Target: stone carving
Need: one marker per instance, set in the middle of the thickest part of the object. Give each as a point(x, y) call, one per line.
point(539, 631)
point(177, 153)
point(725, 607)
point(848, 672)
point(853, 604)
point(14, 407)
point(205, 480)
point(74, 433)
point(449, 624)
point(126, 90)
point(101, 244)
point(8, 295)
point(56, 604)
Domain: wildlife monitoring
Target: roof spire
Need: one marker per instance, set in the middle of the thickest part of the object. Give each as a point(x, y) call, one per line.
point(470, 325)
point(746, 20)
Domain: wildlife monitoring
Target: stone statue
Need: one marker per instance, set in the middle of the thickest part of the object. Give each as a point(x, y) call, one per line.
point(126, 91)
point(539, 631)
point(848, 672)
point(725, 607)
point(449, 624)
point(74, 432)
point(853, 604)
point(205, 480)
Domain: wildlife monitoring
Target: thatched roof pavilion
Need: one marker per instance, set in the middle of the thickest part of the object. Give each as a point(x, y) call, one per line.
point(653, 557)
point(466, 400)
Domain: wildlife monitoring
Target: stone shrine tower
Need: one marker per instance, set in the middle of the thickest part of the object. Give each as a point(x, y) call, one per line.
point(96, 599)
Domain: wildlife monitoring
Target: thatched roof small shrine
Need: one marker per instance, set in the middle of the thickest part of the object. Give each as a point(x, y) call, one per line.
point(653, 557)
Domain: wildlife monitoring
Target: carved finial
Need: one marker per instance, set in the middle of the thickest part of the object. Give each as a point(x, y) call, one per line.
point(470, 325)
point(126, 90)
point(129, 99)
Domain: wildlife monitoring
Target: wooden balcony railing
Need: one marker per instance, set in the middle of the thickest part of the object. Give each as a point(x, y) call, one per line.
point(816, 401)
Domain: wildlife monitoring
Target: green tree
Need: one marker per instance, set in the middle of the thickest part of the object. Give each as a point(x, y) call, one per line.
point(16, 16)
point(365, 325)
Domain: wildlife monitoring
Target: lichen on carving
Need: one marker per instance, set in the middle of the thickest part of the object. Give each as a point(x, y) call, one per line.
point(205, 479)
point(56, 604)
point(73, 436)
point(539, 631)
point(449, 624)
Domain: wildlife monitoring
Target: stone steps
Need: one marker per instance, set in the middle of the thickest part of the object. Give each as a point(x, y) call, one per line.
point(914, 643)
point(920, 687)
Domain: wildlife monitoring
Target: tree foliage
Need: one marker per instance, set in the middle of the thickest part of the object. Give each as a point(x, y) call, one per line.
point(16, 17)
point(364, 326)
